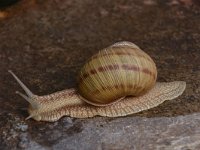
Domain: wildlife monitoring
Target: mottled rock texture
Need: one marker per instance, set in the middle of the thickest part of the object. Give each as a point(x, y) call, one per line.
point(46, 42)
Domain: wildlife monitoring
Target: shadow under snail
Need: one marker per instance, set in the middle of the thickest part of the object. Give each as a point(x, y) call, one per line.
point(119, 80)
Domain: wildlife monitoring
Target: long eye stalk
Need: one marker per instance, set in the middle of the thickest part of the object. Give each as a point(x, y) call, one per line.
point(28, 92)
point(29, 96)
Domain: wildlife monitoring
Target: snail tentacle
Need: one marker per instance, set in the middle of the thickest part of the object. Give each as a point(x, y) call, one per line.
point(28, 92)
point(30, 96)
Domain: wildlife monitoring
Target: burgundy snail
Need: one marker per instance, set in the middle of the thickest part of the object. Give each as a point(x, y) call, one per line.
point(119, 80)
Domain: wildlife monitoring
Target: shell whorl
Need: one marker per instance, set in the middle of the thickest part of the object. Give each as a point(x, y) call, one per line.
point(120, 70)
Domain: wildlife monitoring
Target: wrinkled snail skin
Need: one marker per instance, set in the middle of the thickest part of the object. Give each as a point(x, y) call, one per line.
point(117, 81)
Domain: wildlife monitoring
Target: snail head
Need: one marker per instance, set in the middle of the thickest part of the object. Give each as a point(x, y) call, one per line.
point(29, 97)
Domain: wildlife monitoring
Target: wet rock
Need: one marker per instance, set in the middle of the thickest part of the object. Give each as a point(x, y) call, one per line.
point(182, 132)
point(22, 127)
point(67, 122)
point(26, 143)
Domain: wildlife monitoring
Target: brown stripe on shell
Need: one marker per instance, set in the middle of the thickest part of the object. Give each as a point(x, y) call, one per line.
point(102, 69)
point(138, 54)
point(108, 68)
point(145, 70)
point(117, 67)
point(134, 68)
point(130, 67)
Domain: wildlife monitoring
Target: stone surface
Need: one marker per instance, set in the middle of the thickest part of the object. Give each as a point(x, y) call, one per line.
point(46, 42)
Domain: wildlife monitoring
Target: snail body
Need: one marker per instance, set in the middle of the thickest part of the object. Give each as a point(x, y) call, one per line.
point(117, 81)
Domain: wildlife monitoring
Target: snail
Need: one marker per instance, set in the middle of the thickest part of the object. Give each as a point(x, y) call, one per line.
point(117, 81)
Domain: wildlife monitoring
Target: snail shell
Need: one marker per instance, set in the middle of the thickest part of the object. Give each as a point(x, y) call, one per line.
point(121, 78)
point(120, 70)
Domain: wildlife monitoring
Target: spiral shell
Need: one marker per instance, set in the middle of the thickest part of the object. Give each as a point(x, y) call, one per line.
point(120, 70)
